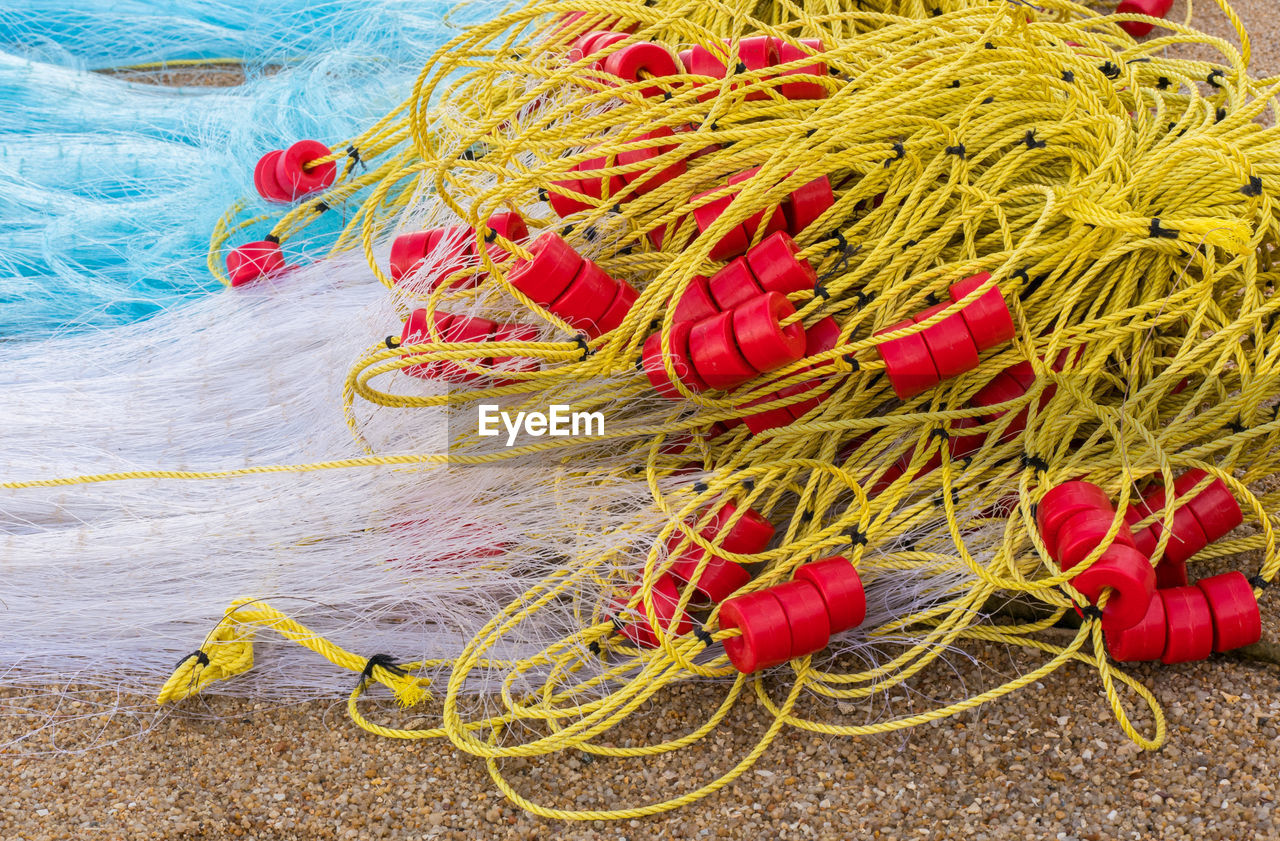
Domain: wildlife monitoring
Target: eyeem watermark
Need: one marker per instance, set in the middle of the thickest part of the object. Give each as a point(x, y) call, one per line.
point(559, 422)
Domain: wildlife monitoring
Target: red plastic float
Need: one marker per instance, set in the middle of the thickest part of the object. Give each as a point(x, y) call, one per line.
point(1132, 581)
point(254, 260)
point(807, 203)
point(550, 271)
point(1143, 641)
point(798, 90)
point(296, 178)
point(1237, 621)
point(1188, 625)
point(645, 57)
point(1154, 8)
point(766, 634)
point(841, 589)
point(721, 577)
point(664, 595)
point(733, 285)
point(264, 178)
point(715, 354)
point(677, 348)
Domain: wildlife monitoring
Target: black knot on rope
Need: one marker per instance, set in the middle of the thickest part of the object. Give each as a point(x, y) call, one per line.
point(1259, 582)
point(700, 487)
point(955, 84)
point(821, 292)
point(320, 207)
point(594, 648)
point(1158, 232)
point(989, 46)
point(1022, 273)
point(271, 238)
point(591, 234)
point(857, 536)
point(1163, 83)
point(1110, 70)
point(939, 500)
point(1031, 141)
point(1214, 77)
point(988, 100)
point(386, 661)
point(617, 208)
point(202, 659)
point(492, 236)
point(392, 342)
point(705, 638)
point(1091, 611)
point(542, 194)
point(934, 12)
point(741, 68)
point(853, 362)
point(939, 432)
point(863, 298)
point(1220, 115)
point(899, 152)
point(749, 484)
point(666, 95)
point(1254, 187)
point(354, 154)
point(581, 342)
point(957, 150)
point(1068, 76)
point(1035, 462)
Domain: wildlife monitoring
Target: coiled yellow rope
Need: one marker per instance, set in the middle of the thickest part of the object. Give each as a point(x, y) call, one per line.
point(1121, 197)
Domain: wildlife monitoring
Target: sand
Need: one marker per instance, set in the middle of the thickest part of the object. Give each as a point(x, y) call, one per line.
point(1049, 762)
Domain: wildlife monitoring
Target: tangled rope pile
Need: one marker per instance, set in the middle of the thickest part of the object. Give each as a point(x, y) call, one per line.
point(1118, 200)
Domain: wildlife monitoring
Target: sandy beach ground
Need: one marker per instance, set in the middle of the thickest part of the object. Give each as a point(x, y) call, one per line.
point(1049, 762)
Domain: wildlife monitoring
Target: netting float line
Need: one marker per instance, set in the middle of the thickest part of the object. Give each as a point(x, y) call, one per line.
point(893, 311)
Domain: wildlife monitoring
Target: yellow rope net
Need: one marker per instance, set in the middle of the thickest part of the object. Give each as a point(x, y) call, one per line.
point(1119, 196)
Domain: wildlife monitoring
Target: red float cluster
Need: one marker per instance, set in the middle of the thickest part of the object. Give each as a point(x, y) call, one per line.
point(1191, 622)
point(463, 328)
point(794, 619)
point(1154, 8)
point(796, 212)
point(567, 284)
point(721, 577)
point(456, 248)
point(775, 265)
point(1197, 522)
point(949, 347)
point(254, 260)
point(285, 175)
point(760, 52)
point(1073, 519)
point(725, 350)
